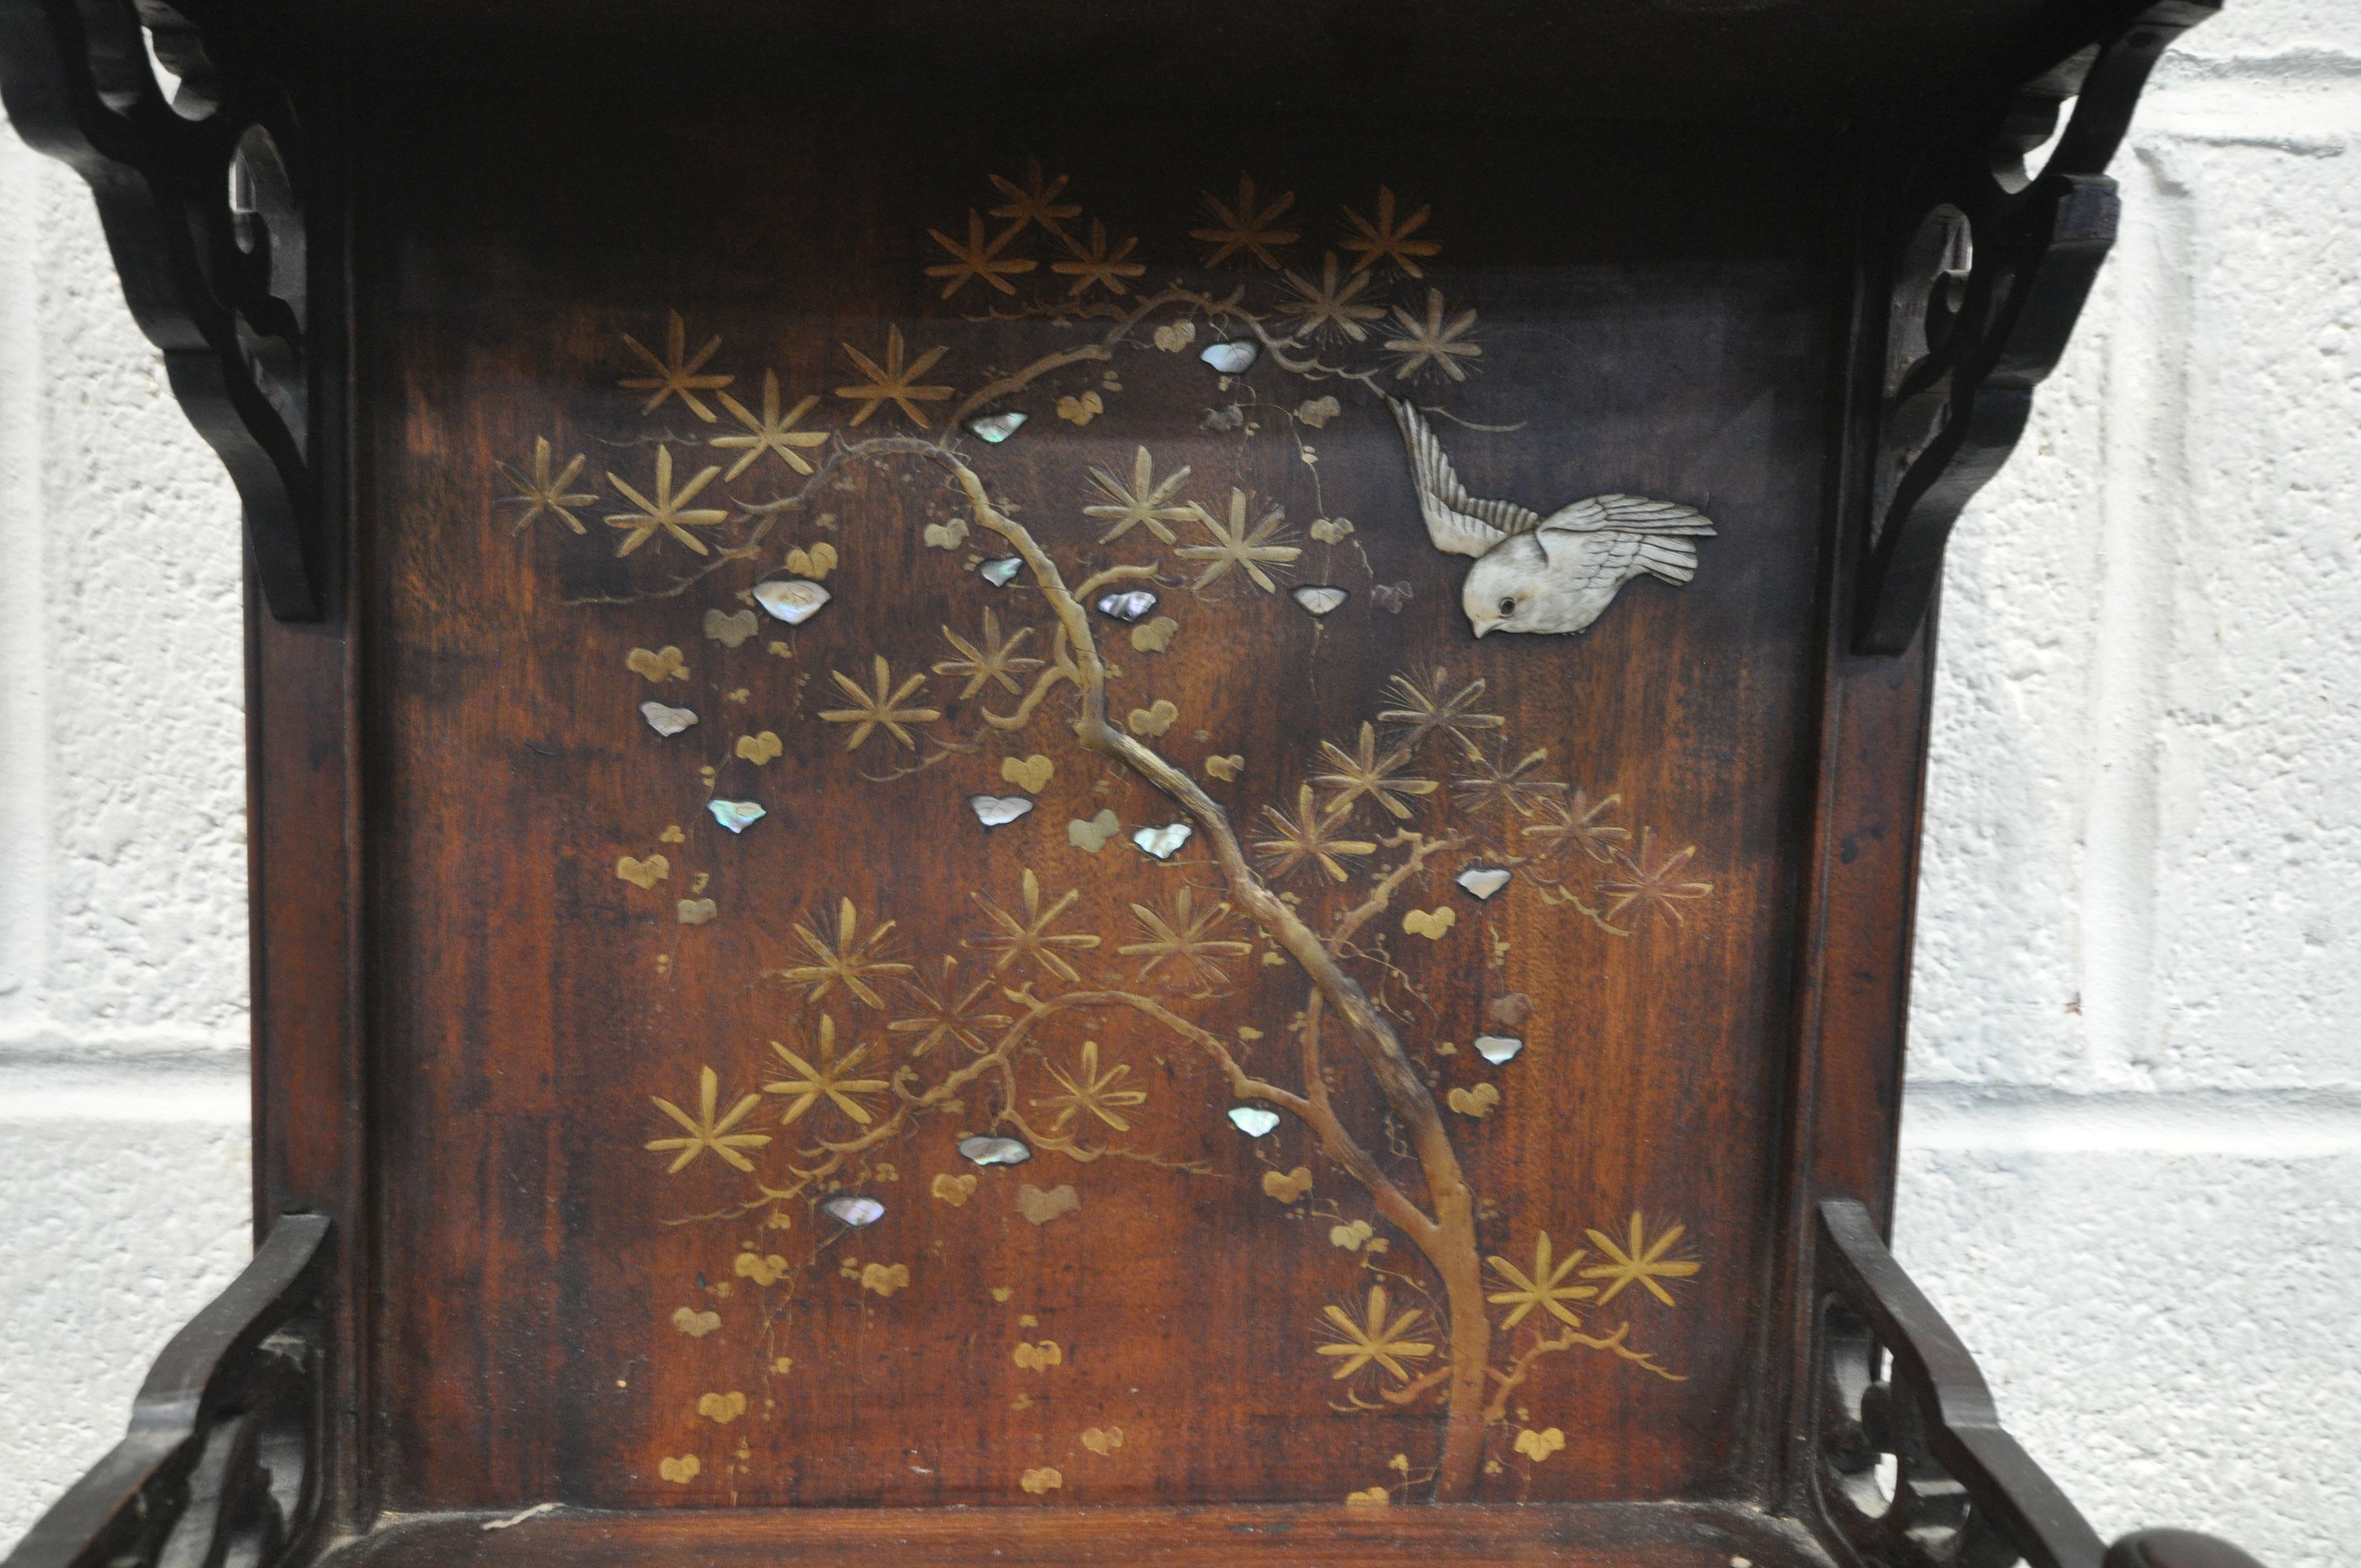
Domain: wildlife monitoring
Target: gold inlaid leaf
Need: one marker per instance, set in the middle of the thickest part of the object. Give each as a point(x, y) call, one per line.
point(722, 1409)
point(1539, 1445)
point(1431, 923)
point(1041, 1207)
point(1288, 1186)
point(1092, 836)
point(1153, 720)
point(642, 874)
point(1030, 774)
point(1478, 1102)
point(761, 1269)
point(729, 630)
point(693, 1323)
point(656, 665)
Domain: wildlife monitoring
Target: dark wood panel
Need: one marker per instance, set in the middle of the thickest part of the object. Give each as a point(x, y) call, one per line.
point(533, 1001)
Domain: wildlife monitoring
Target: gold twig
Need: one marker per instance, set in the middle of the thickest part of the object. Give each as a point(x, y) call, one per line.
point(1017, 380)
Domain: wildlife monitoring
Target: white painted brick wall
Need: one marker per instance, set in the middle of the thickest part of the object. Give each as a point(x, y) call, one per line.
point(2132, 1172)
point(122, 1112)
point(2132, 1168)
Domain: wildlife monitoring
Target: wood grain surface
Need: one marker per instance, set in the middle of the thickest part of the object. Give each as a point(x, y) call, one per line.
point(1577, 1536)
point(532, 1001)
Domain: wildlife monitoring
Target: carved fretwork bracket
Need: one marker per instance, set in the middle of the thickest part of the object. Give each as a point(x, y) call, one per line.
point(198, 187)
point(1910, 1462)
point(223, 1466)
point(1913, 1469)
point(1989, 269)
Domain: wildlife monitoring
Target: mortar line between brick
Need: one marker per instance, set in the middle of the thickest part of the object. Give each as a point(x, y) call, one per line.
point(2141, 501)
point(2270, 1123)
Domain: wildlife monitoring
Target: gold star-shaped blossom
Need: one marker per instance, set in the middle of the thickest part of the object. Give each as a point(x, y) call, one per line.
point(669, 512)
point(1364, 772)
point(1094, 263)
point(1088, 1089)
point(1374, 1338)
point(948, 1013)
point(1571, 828)
point(676, 374)
point(1036, 201)
point(1433, 340)
point(1250, 551)
point(1426, 712)
point(1492, 780)
point(705, 1131)
point(1182, 935)
point(979, 257)
point(1653, 886)
point(892, 382)
point(830, 1079)
point(1017, 938)
point(849, 959)
point(1310, 836)
point(1387, 240)
point(1639, 1261)
point(772, 432)
point(878, 709)
point(1146, 503)
point(1544, 1288)
point(1244, 225)
point(542, 492)
point(1333, 307)
point(992, 659)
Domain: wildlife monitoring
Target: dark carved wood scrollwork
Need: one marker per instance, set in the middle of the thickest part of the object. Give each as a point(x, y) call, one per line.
point(1911, 1464)
point(222, 1466)
point(1913, 1468)
point(195, 160)
point(1990, 268)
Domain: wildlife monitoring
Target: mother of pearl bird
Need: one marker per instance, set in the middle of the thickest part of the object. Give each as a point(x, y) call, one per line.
point(1557, 573)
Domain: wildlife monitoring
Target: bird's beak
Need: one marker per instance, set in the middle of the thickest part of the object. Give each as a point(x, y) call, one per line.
point(1483, 626)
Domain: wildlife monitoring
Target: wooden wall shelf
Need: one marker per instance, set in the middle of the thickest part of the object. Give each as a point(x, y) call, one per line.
point(1066, 784)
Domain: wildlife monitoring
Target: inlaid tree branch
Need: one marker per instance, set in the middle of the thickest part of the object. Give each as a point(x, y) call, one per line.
point(878, 1047)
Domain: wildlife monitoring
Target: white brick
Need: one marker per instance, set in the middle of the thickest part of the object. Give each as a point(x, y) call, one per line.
point(2142, 865)
point(117, 1230)
point(2172, 1338)
point(147, 675)
point(1999, 960)
point(123, 1130)
point(2258, 887)
point(2267, 34)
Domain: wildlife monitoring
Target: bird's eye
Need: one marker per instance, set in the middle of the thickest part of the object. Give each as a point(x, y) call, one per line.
point(1508, 607)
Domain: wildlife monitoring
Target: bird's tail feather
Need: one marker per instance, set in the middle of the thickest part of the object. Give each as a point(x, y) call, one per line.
point(1669, 558)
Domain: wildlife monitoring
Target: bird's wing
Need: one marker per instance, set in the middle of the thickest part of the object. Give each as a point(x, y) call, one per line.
point(1632, 514)
point(1587, 558)
point(1582, 561)
point(1457, 522)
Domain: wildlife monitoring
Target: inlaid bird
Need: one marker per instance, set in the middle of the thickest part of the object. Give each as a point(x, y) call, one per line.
point(1557, 573)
